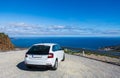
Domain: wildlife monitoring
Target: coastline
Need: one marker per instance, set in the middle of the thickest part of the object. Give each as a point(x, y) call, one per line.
point(115, 48)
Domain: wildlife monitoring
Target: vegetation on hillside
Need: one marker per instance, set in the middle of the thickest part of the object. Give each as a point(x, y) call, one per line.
point(5, 43)
point(80, 51)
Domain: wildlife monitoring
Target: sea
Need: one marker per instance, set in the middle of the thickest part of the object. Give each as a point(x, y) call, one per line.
point(93, 43)
point(88, 43)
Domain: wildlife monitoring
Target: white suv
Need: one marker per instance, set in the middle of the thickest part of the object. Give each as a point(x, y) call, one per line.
point(44, 54)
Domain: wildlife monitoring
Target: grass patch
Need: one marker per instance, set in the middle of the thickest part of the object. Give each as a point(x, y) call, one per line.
point(88, 52)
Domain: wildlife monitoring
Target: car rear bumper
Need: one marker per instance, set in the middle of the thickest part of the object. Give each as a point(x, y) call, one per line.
point(33, 65)
point(38, 62)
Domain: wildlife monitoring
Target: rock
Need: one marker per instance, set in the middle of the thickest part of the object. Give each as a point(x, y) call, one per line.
point(5, 43)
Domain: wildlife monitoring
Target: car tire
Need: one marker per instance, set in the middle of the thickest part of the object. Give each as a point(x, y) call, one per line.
point(29, 67)
point(55, 65)
point(63, 58)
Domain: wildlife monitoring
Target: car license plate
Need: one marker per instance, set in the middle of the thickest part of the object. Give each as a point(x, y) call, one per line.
point(37, 56)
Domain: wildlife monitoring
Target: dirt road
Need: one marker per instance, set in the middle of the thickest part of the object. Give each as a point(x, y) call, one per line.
point(12, 66)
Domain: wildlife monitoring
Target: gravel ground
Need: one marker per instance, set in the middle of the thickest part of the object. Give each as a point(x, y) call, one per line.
point(12, 66)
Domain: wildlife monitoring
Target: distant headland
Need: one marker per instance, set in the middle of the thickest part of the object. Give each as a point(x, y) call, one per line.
point(111, 48)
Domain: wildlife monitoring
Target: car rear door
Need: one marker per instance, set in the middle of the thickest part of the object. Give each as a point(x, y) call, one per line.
point(39, 53)
point(57, 51)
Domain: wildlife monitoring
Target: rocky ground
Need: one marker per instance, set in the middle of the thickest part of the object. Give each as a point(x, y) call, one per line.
point(12, 66)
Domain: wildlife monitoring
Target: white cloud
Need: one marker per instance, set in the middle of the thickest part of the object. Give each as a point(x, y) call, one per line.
point(37, 29)
point(18, 24)
point(58, 27)
point(113, 32)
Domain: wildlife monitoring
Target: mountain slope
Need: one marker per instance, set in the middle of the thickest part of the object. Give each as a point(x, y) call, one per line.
point(5, 43)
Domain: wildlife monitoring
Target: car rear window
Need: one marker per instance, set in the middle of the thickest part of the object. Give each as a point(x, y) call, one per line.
point(39, 49)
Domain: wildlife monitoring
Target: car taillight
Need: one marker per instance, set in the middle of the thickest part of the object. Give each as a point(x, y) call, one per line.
point(25, 55)
point(51, 55)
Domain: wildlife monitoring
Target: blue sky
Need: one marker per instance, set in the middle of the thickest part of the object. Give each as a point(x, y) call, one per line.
point(60, 17)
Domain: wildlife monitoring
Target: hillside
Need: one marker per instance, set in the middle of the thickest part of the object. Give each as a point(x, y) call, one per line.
point(112, 48)
point(5, 43)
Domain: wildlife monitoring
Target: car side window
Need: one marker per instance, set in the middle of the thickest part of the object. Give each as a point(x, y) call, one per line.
point(59, 48)
point(56, 48)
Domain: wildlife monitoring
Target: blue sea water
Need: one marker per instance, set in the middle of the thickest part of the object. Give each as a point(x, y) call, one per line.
point(75, 42)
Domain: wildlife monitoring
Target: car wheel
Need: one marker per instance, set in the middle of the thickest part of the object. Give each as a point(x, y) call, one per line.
point(63, 58)
point(55, 65)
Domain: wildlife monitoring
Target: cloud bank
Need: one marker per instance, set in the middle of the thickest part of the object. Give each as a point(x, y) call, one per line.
point(23, 29)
